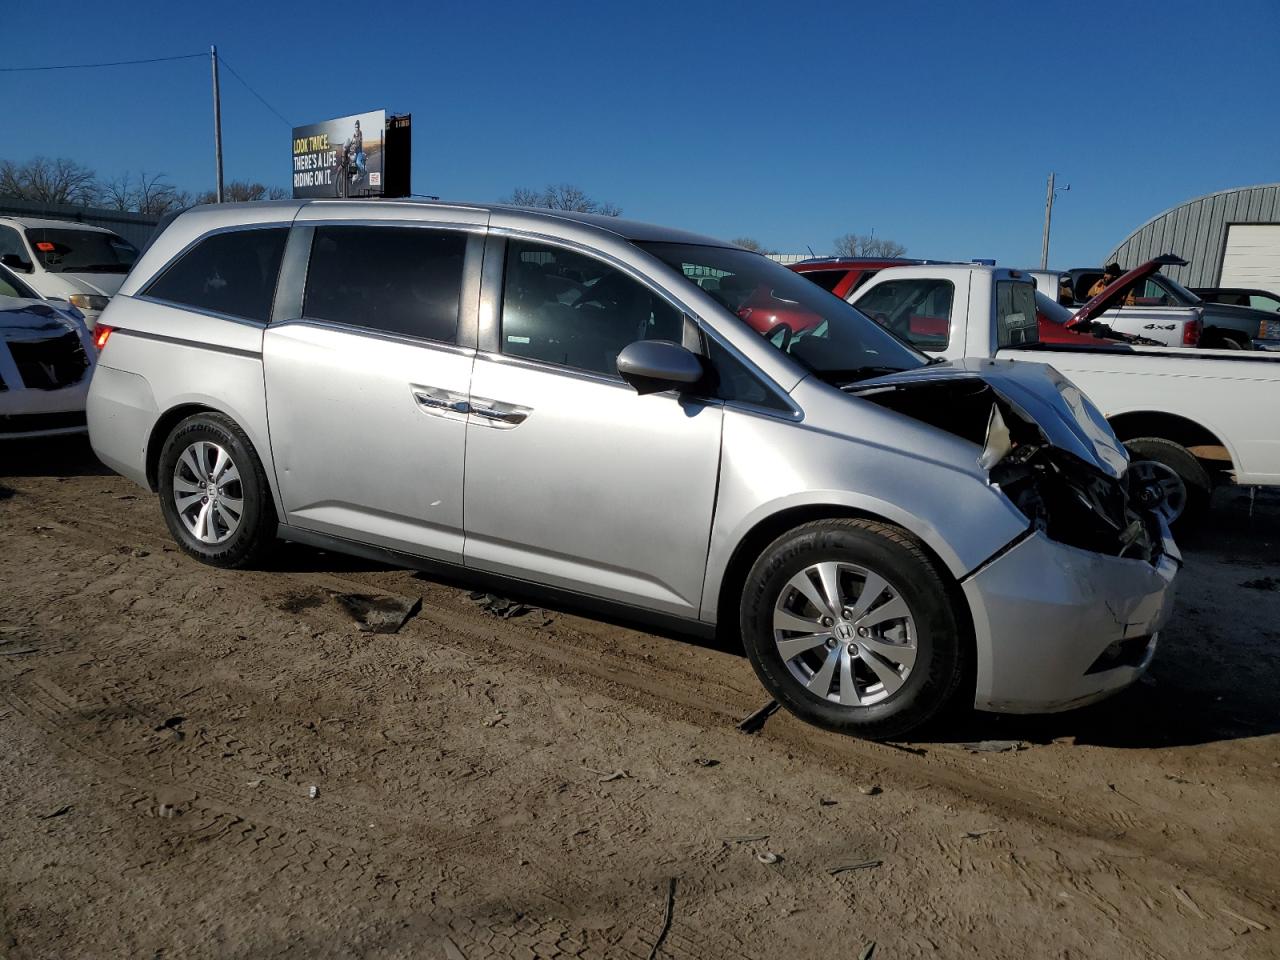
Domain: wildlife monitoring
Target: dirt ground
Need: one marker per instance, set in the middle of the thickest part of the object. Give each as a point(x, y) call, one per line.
point(553, 785)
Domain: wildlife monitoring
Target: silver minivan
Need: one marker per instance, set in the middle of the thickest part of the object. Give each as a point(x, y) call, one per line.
point(582, 405)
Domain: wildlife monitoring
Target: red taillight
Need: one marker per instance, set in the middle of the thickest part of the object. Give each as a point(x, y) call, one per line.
point(1191, 332)
point(100, 334)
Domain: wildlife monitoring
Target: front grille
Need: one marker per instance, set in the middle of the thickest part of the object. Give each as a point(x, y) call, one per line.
point(50, 364)
point(31, 422)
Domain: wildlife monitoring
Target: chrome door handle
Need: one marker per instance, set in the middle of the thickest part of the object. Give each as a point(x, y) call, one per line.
point(504, 416)
point(441, 403)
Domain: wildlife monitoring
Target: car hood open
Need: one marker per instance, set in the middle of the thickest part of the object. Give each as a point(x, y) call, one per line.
point(1111, 294)
point(1064, 416)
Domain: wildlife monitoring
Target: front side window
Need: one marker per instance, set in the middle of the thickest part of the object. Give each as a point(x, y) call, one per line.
point(822, 333)
point(401, 280)
point(1263, 301)
point(1015, 313)
point(11, 245)
point(11, 286)
point(62, 250)
point(918, 309)
point(231, 273)
point(566, 308)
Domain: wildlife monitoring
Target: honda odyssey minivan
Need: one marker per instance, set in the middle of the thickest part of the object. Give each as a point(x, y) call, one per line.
point(555, 400)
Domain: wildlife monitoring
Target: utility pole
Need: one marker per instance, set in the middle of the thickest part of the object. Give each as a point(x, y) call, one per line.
point(1048, 217)
point(217, 122)
point(1044, 244)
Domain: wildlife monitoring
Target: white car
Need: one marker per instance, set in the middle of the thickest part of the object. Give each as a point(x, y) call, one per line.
point(64, 260)
point(46, 360)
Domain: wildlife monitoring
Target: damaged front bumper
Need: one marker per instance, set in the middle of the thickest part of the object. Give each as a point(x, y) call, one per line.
point(1059, 627)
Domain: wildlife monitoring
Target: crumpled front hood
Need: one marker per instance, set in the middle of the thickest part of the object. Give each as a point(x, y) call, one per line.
point(1065, 416)
point(31, 320)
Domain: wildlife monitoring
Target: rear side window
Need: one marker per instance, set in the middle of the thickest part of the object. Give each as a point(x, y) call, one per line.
point(918, 309)
point(401, 280)
point(1015, 313)
point(231, 273)
point(827, 279)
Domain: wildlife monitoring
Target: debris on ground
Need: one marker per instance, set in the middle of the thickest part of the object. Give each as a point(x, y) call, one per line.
point(768, 856)
point(706, 762)
point(869, 789)
point(126, 551)
point(1263, 583)
point(1185, 899)
point(499, 606)
point(313, 792)
point(1260, 927)
point(666, 919)
point(993, 746)
point(385, 614)
point(608, 776)
point(868, 951)
point(975, 834)
point(60, 812)
point(840, 868)
point(749, 838)
point(755, 722)
point(824, 802)
point(499, 719)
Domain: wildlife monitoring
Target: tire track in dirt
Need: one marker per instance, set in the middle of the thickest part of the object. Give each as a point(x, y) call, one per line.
point(650, 684)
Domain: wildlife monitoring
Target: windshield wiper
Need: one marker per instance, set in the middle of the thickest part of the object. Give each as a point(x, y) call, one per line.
point(841, 378)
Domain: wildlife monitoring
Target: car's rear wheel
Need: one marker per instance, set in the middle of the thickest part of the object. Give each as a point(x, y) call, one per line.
point(214, 493)
point(850, 626)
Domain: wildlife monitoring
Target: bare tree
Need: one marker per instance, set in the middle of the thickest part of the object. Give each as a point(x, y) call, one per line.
point(117, 193)
point(751, 243)
point(561, 196)
point(866, 245)
point(48, 180)
point(240, 191)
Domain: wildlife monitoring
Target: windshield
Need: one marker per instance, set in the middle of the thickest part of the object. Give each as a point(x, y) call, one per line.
point(818, 330)
point(81, 251)
point(1052, 310)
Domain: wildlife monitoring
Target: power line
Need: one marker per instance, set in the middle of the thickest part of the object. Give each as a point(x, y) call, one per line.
point(223, 61)
point(113, 63)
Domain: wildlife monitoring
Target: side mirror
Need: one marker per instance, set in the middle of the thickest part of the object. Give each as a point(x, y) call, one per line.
point(652, 366)
point(15, 262)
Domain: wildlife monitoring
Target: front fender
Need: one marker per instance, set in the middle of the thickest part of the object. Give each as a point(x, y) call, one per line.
point(770, 466)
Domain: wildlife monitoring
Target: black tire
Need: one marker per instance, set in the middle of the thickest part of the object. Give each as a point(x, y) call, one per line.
point(943, 658)
point(1195, 478)
point(1217, 340)
point(256, 529)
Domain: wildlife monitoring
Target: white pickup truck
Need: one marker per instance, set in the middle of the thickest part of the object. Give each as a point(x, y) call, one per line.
point(1191, 418)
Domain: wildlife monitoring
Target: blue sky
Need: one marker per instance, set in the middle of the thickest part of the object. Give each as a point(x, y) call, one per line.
point(935, 124)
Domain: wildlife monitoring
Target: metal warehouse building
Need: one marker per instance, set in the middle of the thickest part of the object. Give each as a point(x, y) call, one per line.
point(1229, 239)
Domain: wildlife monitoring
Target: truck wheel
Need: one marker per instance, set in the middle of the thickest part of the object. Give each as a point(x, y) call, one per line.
point(849, 625)
point(1185, 482)
point(214, 493)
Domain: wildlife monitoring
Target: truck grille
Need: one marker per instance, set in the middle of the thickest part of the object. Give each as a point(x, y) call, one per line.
point(50, 364)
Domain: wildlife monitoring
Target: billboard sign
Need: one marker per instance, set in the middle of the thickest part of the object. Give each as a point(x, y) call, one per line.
point(340, 158)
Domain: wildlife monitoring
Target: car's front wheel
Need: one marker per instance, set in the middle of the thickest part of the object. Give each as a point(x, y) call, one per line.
point(849, 625)
point(214, 493)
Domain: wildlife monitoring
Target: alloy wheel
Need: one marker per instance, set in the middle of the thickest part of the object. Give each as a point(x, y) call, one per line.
point(845, 633)
point(1172, 486)
point(207, 492)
